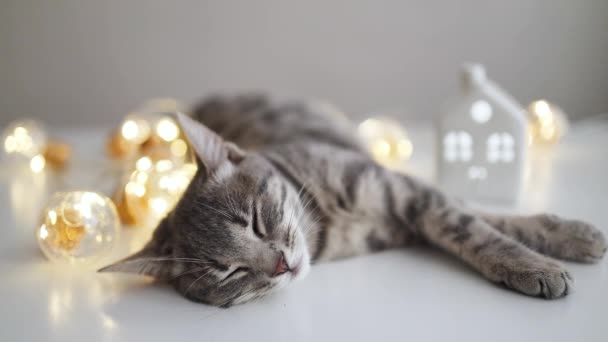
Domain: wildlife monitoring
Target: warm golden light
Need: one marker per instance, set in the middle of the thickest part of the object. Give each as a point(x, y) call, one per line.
point(143, 164)
point(179, 148)
point(37, 163)
point(10, 145)
point(52, 216)
point(43, 233)
point(159, 205)
point(548, 123)
point(163, 165)
point(150, 194)
point(141, 177)
point(547, 132)
point(151, 131)
point(129, 130)
point(381, 148)
point(136, 188)
point(25, 141)
point(405, 149)
point(167, 129)
point(20, 141)
point(135, 129)
point(386, 140)
point(24, 138)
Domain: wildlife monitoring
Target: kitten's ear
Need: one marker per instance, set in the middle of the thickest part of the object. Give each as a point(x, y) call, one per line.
point(155, 259)
point(209, 147)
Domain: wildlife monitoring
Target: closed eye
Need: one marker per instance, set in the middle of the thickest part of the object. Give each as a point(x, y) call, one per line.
point(255, 224)
point(238, 271)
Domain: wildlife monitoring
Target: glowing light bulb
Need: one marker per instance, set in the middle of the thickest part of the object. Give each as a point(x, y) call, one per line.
point(135, 129)
point(167, 129)
point(148, 195)
point(143, 164)
point(163, 165)
point(129, 130)
point(77, 226)
point(24, 139)
point(386, 141)
point(179, 148)
point(159, 205)
point(548, 123)
point(37, 163)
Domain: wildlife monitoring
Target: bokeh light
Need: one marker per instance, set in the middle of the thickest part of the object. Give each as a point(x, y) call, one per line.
point(386, 140)
point(548, 123)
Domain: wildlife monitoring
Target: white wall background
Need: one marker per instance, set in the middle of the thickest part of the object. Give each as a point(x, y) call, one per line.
point(91, 61)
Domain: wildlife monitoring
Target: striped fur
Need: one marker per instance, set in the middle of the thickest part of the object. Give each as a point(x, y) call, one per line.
point(319, 196)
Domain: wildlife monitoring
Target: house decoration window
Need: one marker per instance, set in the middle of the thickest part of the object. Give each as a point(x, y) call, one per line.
point(458, 146)
point(500, 147)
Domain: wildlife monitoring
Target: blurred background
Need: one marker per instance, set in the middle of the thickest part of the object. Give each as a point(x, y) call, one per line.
point(89, 62)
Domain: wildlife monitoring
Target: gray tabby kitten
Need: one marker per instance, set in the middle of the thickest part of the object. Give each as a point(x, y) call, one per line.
point(280, 187)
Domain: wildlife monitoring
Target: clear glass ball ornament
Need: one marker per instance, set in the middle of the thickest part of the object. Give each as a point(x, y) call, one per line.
point(154, 188)
point(151, 131)
point(24, 140)
point(78, 226)
point(386, 140)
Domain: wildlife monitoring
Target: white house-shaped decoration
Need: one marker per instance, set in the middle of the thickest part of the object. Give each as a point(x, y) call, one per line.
point(482, 141)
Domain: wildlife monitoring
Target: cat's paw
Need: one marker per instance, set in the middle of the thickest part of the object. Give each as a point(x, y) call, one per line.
point(538, 277)
point(575, 240)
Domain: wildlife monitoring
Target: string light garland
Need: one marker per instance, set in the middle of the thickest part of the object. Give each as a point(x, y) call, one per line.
point(77, 226)
point(386, 140)
point(548, 122)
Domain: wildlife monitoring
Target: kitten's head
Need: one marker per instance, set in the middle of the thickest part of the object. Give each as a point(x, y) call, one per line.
point(236, 234)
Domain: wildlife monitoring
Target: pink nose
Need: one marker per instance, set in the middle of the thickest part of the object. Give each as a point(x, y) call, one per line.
point(281, 267)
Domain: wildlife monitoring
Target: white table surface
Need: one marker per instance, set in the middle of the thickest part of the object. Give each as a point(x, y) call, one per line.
point(414, 294)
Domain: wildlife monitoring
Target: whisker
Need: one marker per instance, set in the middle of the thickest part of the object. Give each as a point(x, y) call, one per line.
point(237, 297)
point(196, 280)
point(221, 212)
point(186, 272)
point(173, 259)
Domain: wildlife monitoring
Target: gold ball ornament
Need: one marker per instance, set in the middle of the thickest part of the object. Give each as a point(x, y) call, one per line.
point(548, 123)
point(77, 226)
point(386, 140)
point(57, 154)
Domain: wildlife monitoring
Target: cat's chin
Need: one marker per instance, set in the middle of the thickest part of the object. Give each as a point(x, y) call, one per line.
point(300, 267)
point(302, 271)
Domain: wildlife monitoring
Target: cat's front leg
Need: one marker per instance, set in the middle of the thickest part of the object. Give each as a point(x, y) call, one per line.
point(495, 255)
point(554, 236)
point(458, 230)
